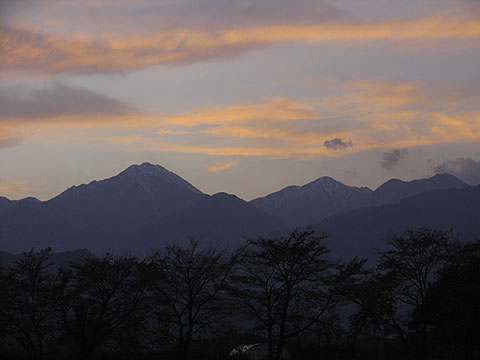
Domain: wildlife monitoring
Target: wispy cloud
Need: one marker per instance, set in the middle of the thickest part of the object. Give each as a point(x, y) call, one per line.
point(173, 132)
point(15, 187)
point(375, 113)
point(57, 100)
point(31, 50)
point(9, 141)
point(222, 165)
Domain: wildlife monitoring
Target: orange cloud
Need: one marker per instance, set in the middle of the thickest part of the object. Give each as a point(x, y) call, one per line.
point(18, 187)
point(9, 141)
point(33, 51)
point(278, 109)
point(364, 114)
point(172, 132)
point(223, 165)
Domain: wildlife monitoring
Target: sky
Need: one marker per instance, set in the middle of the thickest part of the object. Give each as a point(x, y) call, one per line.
point(240, 96)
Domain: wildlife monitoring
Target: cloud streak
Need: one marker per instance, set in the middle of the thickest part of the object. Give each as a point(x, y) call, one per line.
point(15, 187)
point(222, 165)
point(30, 50)
point(375, 113)
point(7, 141)
point(58, 100)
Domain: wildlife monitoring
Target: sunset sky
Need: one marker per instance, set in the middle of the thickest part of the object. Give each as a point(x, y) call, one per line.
point(245, 97)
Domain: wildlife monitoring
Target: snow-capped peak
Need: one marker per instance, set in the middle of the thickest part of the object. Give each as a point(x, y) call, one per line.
point(147, 175)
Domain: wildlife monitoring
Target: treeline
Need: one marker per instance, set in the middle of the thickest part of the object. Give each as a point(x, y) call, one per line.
point(421, 300)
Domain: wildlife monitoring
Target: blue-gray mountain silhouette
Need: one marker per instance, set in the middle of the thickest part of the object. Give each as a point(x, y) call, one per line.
point(6, 204)
point(221, 219)
point(146, 206)
point(99, 214)
point(357, 232)
point(303, 205)
point(107, 215)
point(395, 190)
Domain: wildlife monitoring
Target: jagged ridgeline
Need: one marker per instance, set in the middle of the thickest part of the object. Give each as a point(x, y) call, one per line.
point(146, 207)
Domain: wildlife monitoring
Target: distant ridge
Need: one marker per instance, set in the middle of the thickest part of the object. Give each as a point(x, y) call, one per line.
point(147, 206)
point(221, 219)
point(395, 190)
point(6, 204)
point(99, 214)
point(302, 205)
point(143, 206)
point(357, 232)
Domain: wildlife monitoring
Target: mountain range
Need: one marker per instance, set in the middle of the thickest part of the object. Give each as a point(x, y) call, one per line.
point(146, 207)
point(303, 205)
point(143, 207)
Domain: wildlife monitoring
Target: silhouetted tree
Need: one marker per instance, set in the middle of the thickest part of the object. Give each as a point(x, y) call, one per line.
point(188, 292)
point(103, 293)
point(283, 285)
point(453, 304)
point(27, 302)
point(356, 285)
point(406, 272)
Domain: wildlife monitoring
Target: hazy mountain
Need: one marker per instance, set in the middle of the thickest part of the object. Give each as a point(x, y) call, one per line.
point(395, 190)
point(301, 205)
point(141, 208)
point(221, 219)
point(358, 231)
point(147, 206)
point(97, 215)
point(6, 204)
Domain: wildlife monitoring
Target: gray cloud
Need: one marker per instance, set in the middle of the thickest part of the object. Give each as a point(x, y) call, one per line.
point(336, 144)
point(349, 174)
point(465, 168)
point(152, 14)
point(57, 99)
point(174, 28)
point(9, 142)
point(392, 157)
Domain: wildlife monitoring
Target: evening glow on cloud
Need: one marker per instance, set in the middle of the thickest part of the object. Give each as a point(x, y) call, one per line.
point(231, 85)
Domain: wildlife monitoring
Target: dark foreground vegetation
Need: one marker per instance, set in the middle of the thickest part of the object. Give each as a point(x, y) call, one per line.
point(420, 301)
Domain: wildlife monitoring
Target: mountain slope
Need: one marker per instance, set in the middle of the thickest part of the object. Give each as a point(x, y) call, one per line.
point(355, 233)
point(395, 190)
point(6, 204)
point(221, 219)
point(97, 215)
point(301, 205)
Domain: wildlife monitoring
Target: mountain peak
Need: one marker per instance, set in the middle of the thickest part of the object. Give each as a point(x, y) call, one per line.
point(301, 205)
point(394, 190)
point(225, 196)
point(145, 167)
point(326, 184)
point(434, 182)
point(323, 180)
point(146, 173)
point(445, 176)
